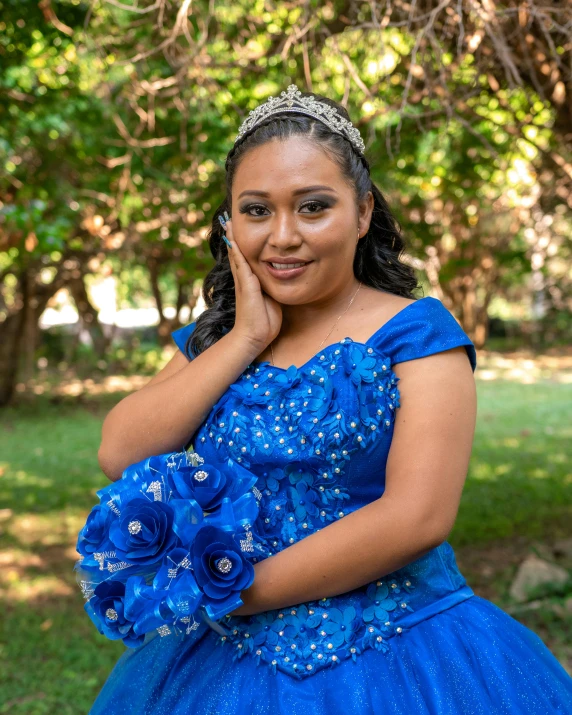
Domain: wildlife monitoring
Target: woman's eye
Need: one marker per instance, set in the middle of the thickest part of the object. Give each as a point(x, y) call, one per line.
point(253, 207)
point(314, 205)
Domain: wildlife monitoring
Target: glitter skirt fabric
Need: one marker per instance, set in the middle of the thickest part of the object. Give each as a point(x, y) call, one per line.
point(472, 659)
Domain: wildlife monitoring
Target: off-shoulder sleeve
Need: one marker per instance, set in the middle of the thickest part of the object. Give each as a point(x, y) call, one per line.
point(422, 328)
point(181, 336)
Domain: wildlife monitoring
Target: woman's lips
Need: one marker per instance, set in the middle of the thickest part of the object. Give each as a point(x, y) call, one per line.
point(286, 273)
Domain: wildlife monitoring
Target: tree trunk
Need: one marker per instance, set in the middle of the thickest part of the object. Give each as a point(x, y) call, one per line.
point(11, 331)
point(163, 329)
point(167, 325)
point(18, 332)
point(471, 312)
point(30, 331)
point(88, 315)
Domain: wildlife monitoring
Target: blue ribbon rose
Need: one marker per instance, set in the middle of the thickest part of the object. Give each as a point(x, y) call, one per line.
point(106, 608)
point(220, 570)
point(143, 533)
point(209, 486)
point(206, 484)
point(94, 535)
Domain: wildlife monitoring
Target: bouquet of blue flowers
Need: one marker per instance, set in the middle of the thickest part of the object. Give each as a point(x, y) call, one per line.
point(171, 540)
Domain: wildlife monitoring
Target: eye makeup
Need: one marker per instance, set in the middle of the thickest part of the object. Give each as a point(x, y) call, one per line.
point(322, 202)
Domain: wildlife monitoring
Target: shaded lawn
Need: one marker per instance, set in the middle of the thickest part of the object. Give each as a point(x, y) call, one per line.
point(520, 477)
point(519, 491)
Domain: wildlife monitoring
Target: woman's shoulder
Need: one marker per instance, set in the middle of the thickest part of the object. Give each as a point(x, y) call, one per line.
point(181, 337)
point(419, 328)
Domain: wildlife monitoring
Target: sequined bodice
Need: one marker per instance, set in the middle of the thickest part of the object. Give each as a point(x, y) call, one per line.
point(317, 437)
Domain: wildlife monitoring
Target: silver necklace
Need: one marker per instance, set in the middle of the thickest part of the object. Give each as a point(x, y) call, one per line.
point(332, 328)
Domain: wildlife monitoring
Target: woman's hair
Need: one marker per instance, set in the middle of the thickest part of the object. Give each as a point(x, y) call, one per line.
point(377, 261)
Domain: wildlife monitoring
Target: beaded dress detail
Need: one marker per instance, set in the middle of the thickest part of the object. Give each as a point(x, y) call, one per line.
point(317, 438)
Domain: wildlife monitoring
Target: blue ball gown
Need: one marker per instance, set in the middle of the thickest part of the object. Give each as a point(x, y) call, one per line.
point(417, 641)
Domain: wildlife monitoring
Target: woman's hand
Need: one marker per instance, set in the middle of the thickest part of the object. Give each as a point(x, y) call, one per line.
point(258, 316)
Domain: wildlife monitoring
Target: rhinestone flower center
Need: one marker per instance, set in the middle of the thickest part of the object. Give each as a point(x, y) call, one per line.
point(134, 526)
point(224, 565)
point(111, 614)
point(201, 475)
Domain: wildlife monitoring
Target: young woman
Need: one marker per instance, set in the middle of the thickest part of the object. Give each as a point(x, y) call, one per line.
point(354, 405)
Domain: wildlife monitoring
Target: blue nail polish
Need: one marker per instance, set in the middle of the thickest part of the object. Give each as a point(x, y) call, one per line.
point(228, 243)
point(222, 222)
point(227, 217)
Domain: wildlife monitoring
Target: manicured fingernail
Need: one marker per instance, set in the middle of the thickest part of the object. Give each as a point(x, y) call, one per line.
point(222, 222)
point(227, 217)
point(228, 243)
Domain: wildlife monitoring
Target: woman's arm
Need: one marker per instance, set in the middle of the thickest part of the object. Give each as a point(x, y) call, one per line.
point(426, 470)
point(164, 414)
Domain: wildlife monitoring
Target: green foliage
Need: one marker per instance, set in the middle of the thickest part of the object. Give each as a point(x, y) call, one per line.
point(114, 127)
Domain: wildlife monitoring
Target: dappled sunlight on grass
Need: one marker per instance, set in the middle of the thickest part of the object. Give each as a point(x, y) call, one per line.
point(75, 387)
point(502, 469)
point(558, 458)
point(109, 384)
point(511, 442)
point(14, 586)
point(490, 472)
point(524, 367)
point(483, 472)
point(27, 479)
point(18, 558)
point(43, 570)
point(38, 562)
point(45, 529)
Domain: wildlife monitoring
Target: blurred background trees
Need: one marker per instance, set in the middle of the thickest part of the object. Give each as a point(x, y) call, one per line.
point(115, 119)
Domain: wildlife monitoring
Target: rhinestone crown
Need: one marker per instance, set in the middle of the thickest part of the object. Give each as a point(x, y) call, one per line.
point(291, 100)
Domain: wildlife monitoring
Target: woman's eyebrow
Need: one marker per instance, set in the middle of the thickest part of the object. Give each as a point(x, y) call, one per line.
point(305, 190)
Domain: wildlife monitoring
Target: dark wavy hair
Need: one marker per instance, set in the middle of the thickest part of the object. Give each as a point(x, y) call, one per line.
point(377, 261)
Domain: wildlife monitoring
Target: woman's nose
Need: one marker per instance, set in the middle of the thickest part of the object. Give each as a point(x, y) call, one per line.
point(284, 230)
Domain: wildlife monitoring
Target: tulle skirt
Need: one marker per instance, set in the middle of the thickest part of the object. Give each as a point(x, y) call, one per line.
point(472, 659)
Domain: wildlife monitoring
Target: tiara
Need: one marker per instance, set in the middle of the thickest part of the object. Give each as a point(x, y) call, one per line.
point(291, 100)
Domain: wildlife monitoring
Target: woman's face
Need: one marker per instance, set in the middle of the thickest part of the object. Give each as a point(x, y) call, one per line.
point(279, 212)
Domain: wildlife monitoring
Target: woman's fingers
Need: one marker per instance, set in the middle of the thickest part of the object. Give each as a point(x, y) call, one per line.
point(238, 264)
point(231, 250)
point(237, 261)
point(229, 233)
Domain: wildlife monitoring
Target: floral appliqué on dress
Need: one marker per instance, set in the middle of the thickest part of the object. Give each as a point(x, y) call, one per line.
point(298, 416)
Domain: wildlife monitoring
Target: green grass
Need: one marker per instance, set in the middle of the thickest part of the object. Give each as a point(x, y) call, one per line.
point(52, 660)
point(520, 476)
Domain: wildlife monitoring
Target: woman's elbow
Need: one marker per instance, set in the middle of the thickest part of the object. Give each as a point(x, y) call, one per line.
point(436, 528)
point(111, 470)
